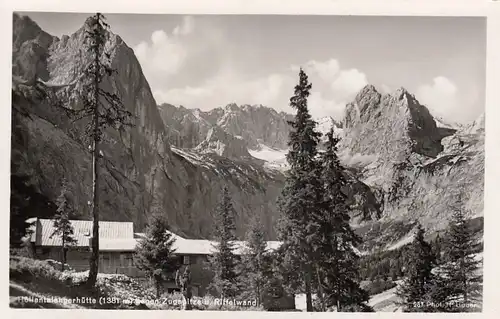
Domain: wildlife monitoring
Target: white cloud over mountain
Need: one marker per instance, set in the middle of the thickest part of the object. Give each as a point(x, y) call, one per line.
point(204, 52)
point(441, 98)
point(166, 53)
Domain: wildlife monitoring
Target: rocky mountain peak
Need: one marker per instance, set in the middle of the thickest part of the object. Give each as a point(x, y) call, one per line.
point(29, 46)
point(394, 122)
point(232, 107)
point(142, 173)
point(25, 29)
point(135, 153)
point(407, 157)
point(478, 126)
point(367, 98)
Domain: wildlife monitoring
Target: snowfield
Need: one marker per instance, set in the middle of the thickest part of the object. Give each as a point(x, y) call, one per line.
point(275, 159)
point(401, 243)
point(193, 157)
point(326, 123)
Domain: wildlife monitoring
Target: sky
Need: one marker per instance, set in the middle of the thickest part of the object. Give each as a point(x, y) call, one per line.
point(208, 61)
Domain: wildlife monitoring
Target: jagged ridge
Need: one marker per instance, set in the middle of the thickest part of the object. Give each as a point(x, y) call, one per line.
point(140, 172)
point(418, 168)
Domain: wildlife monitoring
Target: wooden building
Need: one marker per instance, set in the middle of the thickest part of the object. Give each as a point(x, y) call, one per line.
point(117, 243)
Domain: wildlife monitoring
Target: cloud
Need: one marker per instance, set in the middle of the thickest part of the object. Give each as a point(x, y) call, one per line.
point(164, 54)
point(332, 89)
point(385, 89)
point(327, 71)
point(199, 63)
point(228, 87)
point(441, 98)
point(193, 65)
point(320, 106)
point(186, 27)
point(188, 96)
point(184, 57)
point(333, 86)
point(349, 82)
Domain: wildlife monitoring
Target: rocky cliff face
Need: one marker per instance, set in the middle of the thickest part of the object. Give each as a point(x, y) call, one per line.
point(257, 125)
point(420, 171)
point(257, 135)
point(403, 165)
point(140, 171)
point(224, 144)
point(186, 128)
point(371, 117)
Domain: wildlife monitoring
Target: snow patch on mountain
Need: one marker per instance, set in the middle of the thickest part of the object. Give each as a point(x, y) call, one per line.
point(274, 158)
point(404, 241)
point(326, 123)
point(442, 123)
point(477, 126)
point(193, 158)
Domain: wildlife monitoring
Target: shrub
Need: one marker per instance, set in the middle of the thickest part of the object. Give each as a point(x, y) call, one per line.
point(27, 269)
point(57, 265)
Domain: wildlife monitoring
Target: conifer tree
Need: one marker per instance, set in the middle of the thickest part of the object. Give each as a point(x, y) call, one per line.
point(461, 279)
point(338, 262)
point(21, 196)
point(154, 253)
point(62, 224)
point(416, 292)
point(183, 280)
point(437, 247)
point(300, 196)
point(101, 109)
point(224, 262)
point(256, 263)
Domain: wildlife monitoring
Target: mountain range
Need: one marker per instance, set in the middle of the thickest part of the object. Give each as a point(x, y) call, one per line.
point(403, 164)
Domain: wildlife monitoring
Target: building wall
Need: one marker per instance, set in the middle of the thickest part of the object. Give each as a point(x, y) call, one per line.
point(78, 259)
point(200, 277)
point(118, 263)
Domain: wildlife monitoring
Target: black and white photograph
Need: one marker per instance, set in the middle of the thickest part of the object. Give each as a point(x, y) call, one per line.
point(247, 162)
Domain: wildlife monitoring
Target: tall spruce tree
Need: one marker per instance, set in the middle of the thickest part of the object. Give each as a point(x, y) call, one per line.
point(417, 290)
point(338, 268)
point(155, 254)
point(437, 244)
point(301, 196)
point(24, 203)
point(461, 281)
point(256, 263)
point(101, 109)
point(183, 280)
point(224, 262)
point(62, 224)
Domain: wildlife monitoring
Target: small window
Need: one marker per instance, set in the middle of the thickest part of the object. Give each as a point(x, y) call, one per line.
point(186, 260)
